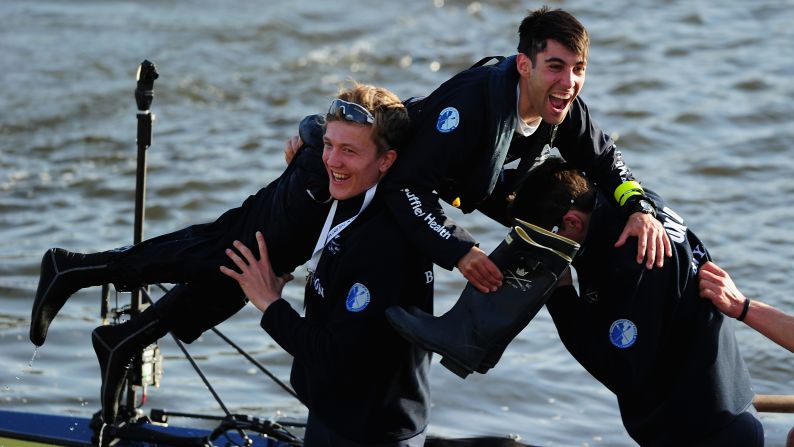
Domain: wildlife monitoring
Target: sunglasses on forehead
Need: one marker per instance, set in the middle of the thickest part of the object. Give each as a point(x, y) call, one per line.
point(351, 111)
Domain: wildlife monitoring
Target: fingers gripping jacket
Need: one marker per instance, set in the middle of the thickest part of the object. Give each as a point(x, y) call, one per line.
point(473, 334)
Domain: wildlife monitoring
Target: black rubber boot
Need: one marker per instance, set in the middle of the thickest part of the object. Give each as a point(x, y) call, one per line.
point(548, 239)
point(62, 274)
point(479, 323)
point(116, 346)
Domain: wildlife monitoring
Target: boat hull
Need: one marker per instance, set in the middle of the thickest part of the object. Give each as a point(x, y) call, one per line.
point(19, 429)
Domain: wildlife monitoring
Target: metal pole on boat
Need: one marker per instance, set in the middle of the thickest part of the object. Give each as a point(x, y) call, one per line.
point(144, 94)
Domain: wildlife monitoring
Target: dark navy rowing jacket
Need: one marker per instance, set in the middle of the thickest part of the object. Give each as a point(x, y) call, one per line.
point(462, 135)
point(351, 369)
point(668, 355)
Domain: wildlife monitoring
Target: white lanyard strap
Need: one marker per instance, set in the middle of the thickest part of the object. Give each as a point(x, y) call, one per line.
point(328, 234)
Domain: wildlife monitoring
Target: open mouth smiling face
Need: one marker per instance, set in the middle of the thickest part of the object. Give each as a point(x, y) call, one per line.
point(351, 159)
point(560, 101)
point(552, 83)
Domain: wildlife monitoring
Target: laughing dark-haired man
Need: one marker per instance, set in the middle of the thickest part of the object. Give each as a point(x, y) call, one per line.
point(463, 134)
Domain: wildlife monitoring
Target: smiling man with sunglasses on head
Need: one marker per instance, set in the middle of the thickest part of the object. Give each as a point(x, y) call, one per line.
point(289, 213)
point(362, 382)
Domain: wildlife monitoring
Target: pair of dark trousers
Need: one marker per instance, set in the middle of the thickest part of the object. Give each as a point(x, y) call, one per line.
point(289, 212)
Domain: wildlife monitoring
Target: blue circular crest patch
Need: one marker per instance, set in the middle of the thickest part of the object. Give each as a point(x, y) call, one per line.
point(448, 120)
point(357, 298)
point(623, 333)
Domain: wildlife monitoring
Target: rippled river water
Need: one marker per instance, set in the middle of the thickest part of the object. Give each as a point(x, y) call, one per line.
point(699, 93)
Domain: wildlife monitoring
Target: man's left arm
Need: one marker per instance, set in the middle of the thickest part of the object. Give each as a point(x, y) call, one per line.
point(582, 143)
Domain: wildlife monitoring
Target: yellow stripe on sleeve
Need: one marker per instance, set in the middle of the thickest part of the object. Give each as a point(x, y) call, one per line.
point(626, 190)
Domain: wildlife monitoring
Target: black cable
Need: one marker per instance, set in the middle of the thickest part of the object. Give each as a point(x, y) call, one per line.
point(231, 421)
point(201, 373)
point(211, 389)
point(256, 363)
point(242, 352)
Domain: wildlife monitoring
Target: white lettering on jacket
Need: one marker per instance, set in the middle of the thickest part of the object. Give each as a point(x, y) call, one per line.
point(428, 218)
point(429, 277)
point(674, 225)
point(623, 170)
point(414, 202)
point(318, 286)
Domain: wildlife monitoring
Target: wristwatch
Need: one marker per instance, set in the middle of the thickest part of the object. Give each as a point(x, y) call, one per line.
point(639, 204)
point(644, 206)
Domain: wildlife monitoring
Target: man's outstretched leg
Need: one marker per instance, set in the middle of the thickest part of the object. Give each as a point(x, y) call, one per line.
point(116, 346)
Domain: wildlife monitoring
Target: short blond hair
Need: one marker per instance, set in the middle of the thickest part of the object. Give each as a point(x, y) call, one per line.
point(391, 117)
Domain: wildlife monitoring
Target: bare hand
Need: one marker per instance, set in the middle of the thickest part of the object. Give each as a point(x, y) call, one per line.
point(480, 271)
point(652, 241)
point(257, 279)
point(716, 285)
point(291, 148)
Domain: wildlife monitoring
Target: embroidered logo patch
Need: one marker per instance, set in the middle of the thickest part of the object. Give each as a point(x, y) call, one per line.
point(623, 333)
point(448, 120)
point(357, 298)
point(517, 279)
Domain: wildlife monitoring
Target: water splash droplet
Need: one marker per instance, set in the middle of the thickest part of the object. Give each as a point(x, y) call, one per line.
point(35, 353)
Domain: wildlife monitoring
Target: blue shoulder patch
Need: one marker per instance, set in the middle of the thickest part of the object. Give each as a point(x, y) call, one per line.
point(448, 120)
point(357, 298)
point(623, 333)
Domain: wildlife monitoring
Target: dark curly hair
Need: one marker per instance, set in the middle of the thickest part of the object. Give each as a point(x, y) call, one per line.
point(544, 24)
point(553, 188)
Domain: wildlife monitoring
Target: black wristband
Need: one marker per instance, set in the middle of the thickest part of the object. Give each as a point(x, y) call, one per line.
point(745, 308)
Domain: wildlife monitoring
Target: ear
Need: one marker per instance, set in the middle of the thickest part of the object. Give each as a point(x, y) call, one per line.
point(523, 65)
point(386, 161)
point(574, 225)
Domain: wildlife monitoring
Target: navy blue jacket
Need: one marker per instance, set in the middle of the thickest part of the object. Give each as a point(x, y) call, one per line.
point(462, 135)
point(351, 369)
point(668, 355)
